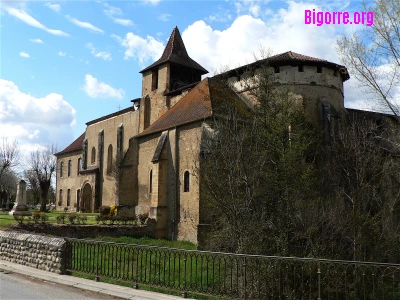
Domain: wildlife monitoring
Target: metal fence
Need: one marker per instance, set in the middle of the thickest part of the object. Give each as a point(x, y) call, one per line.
point(234, 275)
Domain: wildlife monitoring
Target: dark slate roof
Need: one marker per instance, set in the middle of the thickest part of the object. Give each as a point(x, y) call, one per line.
point(175, 52)
point(76, 145)
point(290, 57)
point(199, 103)
point(130, 108)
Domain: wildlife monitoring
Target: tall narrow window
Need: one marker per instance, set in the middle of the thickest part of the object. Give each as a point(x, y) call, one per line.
point(147, 112)
point(151, 182)
point(109, 159)
point(154, 80)
point(301, 68)
point(277, 69)
point(69, 197)
point(93, 158)
point(319, 69)
point(78, 196)
point(62, 169)
point(335, 73)
point(186, 181)
point(60, 198)
point(79, 165)
point(69, 167)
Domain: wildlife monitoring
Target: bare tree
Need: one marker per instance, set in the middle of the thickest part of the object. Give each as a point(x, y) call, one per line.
point(9, 155)
point(33, 185)
point(43, 164)
point(373, 55)
point(8, 186)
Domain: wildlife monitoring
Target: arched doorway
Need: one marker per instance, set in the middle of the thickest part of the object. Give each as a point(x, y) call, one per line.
point(87, 198)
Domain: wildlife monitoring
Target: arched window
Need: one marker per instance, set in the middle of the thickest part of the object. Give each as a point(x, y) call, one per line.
point(186, 181)
point(109, 159)
point(79, 165)
point(62, 169)
point(60, 198)
point(69, 167)
point(93, 158)
point(151, 182)
point(147, 112)
point(69, 197)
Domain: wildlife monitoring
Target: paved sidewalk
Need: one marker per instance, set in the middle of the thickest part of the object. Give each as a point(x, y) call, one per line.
point(86, 284)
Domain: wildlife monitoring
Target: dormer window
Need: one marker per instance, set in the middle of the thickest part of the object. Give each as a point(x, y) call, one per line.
point(301, 68)
point(154, 80)
point(319, 69)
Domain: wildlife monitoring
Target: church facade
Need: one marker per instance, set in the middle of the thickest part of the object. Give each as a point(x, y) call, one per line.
point(144, 158)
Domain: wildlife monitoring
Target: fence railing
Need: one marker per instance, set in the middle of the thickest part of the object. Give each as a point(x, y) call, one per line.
point(234, 275)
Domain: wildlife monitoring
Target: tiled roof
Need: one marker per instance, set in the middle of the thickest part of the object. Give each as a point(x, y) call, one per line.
point(175, 52)
point(293, 56)
point(198, 104)
point(76, 145)
point(120, 112)
point(288, 58)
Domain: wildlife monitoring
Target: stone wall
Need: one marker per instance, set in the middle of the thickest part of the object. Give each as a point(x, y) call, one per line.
point(92, 231)
point(40, 252)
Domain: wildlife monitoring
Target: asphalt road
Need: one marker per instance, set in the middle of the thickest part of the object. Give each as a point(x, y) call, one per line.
point(18, 287)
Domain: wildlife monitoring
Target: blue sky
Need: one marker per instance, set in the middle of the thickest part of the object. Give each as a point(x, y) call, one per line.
point(64, 63)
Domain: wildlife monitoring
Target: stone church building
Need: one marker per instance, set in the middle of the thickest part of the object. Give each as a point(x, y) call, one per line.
point(144, 158)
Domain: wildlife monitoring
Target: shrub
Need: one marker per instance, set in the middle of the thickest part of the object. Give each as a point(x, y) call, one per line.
point(61, 219)
point(104, 210)
point(113, 210)
point(72, 218)
point(36, 217)
point(81, 219)
point(143, 218)
point(19, 219)
point(65, 209)
point(44, 218)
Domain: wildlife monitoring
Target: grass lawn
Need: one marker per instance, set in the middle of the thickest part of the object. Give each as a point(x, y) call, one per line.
point(6, 220)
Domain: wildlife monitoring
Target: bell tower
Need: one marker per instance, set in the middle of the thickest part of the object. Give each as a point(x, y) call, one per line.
point(174, 70)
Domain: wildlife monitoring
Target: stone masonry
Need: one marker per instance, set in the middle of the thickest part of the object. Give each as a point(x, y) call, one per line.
point(40, 252)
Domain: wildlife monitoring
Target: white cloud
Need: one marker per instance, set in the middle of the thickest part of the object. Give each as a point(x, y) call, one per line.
point(24, 54)
point(249, 7)
point(96, 89)
point(37, 41)
point(85, 25)
point(101, 54)
point(123, 22)
point(152, 2)
point(26, 18)
point(284, 31)
point(112, 12)
point(142, 49)
point(55, 7)
point(164, 17)
point(62, 53)
point(31, 120)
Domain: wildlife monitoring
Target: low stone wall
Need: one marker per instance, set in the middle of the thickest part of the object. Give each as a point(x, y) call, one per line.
point(91, 231)
point(40, 252)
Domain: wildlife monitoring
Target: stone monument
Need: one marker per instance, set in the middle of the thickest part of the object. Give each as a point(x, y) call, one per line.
point(20, 208)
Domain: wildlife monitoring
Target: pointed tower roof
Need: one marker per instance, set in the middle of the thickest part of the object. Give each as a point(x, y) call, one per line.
point(175, 52)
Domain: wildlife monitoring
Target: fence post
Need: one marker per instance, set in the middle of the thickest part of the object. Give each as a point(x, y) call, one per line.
point(97, 262)
point(244, 279)
point(319, 280)
point(136, 284)
point(184, 294)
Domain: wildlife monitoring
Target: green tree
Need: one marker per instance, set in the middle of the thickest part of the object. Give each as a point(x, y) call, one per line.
point(258, 169)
